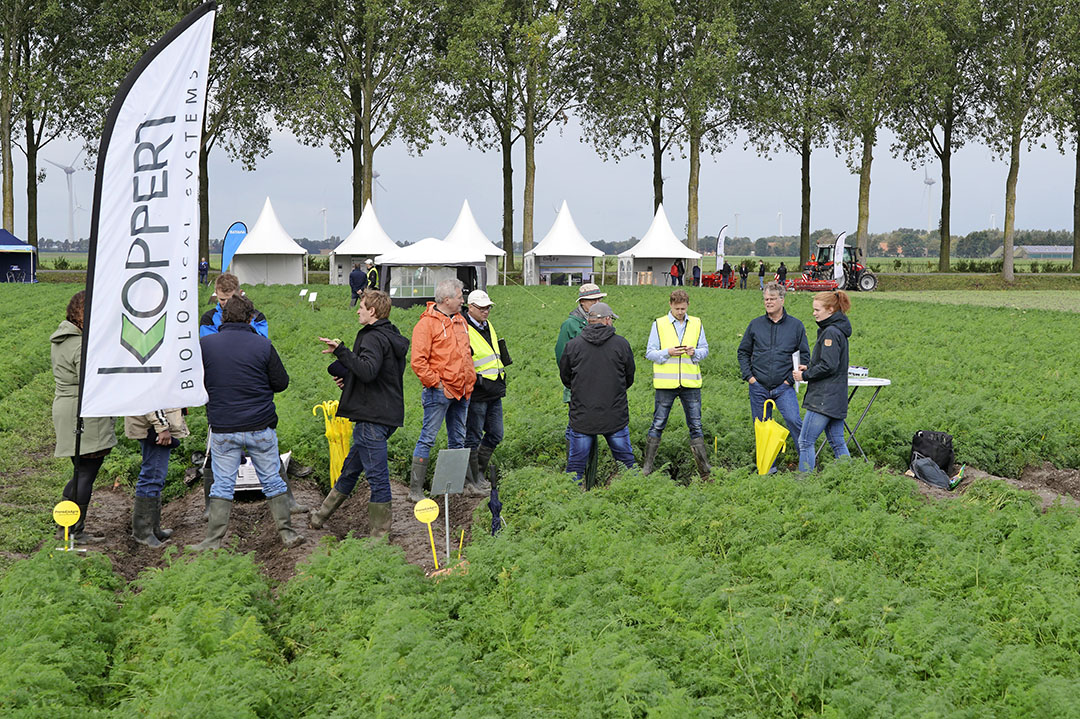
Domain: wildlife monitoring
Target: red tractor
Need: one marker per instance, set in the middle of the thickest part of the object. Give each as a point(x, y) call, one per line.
point(857, 276)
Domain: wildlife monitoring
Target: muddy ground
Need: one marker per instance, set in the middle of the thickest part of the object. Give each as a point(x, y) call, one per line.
point(1050, 484)
point(251, 528)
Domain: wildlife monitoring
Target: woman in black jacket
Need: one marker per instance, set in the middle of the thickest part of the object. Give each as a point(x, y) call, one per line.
point(826, 377)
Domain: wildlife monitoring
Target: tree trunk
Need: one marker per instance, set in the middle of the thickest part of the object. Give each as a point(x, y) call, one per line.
point(204, 197)
point(357, 156)
point(946, 202)
point(692, 186)
point(862, 235)
point(368, 145)
point(1010, 207)
point(657, 163)
point(529, 135)
point(804, 222)
point(1076, 206)
point(508, 196)
point(31, 181)
point(5, 154)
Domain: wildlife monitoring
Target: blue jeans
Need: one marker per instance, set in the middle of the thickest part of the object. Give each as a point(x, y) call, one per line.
point(437, 407)
point(689, 398)
point(813, 425)
point(787, 401)
point(484, 424)
point(368, 455)
point(581, 444)
point(154, 469)
point(262, 450)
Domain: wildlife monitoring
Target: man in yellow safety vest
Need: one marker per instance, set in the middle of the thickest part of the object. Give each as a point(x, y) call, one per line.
point(484, 423)
point(676, 348)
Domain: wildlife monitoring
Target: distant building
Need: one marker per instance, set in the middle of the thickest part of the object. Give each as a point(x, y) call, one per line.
point(1037, 252)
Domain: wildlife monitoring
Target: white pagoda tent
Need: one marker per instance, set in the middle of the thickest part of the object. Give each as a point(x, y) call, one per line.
point(563, 254)
point(366, 241)
point(269, 255)
point(648, 262)
point(413, 271)
point(467, 233)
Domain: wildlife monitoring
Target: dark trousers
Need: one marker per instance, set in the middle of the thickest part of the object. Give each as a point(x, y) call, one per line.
point(81, 485)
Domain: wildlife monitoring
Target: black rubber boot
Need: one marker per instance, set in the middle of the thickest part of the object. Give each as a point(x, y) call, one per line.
point(161, 534)
point(483, 457)
point(380, 517)
point(472, 487)
point(220, 509)
point(652, 445)
point(279, 508)
point(416, 480)
point(142, 521)
point(701, 457)
point(333, 500)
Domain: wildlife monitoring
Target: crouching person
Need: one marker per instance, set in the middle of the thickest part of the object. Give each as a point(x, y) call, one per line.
point(158, 433)
point(241, 372)
point(373, 398)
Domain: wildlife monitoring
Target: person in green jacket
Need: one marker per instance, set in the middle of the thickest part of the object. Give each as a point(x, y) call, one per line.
point(99, 434)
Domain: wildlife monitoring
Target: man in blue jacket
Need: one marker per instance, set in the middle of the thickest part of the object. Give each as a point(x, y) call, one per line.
point(765, 359)
point(225, 286)
point(357, 283)
point(242, 371)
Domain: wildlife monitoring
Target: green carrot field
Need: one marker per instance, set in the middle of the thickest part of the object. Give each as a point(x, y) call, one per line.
point(848, 594)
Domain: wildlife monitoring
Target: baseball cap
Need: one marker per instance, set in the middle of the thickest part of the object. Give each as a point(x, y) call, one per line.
point(601, 310)
point(369, 261)
point(589, 291)
point(480, 299)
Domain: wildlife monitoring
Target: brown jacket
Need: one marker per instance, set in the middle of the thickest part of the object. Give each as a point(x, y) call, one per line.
point(138, 426)
point(441, 353)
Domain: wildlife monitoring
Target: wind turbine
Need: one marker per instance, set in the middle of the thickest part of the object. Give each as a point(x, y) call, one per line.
point(69, 170)
point(928, 183)
point(375, 176)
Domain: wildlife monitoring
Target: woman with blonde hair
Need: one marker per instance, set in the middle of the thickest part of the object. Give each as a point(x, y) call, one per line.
point(826, 396)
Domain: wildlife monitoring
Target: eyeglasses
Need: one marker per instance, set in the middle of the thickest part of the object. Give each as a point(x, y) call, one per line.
point(478, 308)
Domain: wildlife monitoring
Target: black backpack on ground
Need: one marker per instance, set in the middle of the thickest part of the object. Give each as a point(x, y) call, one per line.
point(935, 445)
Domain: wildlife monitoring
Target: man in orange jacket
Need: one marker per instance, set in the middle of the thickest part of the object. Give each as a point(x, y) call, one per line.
point(442, 359)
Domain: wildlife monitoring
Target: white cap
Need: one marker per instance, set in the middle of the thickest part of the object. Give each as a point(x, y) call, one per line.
point(369, 261)
point(480, 299)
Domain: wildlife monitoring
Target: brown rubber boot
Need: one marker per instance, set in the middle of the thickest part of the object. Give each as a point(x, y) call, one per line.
point(652, 446)
point(416, 481)
point(701, 457)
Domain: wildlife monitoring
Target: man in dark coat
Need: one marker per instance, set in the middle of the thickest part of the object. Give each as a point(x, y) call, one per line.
point(357, 283)
point(373, 398)
point(766, 362)
point(242, 371)
point(598, 367)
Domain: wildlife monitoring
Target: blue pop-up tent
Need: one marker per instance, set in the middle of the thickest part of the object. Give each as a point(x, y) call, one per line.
point(17, 259)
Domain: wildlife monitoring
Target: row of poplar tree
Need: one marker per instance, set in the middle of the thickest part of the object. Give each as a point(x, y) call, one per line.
point(650, 77)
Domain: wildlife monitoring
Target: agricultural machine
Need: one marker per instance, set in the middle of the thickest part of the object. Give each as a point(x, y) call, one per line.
point(820, 272)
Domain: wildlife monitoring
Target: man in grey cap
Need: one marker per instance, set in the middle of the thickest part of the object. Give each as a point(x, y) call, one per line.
point(597, 367)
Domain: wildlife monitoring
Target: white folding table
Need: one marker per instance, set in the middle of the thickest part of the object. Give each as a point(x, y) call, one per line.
point(855, 383)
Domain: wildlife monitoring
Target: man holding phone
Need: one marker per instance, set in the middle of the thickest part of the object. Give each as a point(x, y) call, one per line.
point(676, 348)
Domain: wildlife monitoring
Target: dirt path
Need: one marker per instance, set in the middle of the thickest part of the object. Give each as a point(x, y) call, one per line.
point(251, 528)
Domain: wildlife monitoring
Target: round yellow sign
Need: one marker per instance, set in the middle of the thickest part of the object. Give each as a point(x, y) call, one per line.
point(426, 510)
point(66, 513)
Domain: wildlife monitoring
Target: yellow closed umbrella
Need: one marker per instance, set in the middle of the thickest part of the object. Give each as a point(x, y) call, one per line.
point(338, 436)
point(771, 439)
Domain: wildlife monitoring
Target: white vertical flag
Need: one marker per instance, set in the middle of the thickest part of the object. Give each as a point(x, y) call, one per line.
point(141, 334)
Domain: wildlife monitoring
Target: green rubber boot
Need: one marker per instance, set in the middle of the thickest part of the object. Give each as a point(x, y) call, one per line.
point(380, 517)
point(279, 508)
point(161, 534)
point(142, 522)
point(333, 500)
point(416, 481)
point(220, 509)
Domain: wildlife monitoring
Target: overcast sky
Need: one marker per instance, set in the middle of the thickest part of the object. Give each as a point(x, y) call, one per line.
point(610, 201)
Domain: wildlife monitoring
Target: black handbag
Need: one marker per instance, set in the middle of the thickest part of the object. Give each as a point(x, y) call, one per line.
point(938, 446)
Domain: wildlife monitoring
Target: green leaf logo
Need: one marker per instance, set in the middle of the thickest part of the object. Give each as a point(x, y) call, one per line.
point(139, 343)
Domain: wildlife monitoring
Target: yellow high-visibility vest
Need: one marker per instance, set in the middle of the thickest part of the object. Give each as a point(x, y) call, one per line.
point(677, 371)
point(486, 359)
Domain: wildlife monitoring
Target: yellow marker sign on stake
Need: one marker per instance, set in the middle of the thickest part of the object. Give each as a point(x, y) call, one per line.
point(66, 514)
point(460, 542)
point(427, 511)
